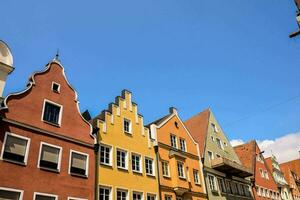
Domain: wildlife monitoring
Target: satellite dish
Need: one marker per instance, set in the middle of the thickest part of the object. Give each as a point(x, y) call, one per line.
point(5, 54)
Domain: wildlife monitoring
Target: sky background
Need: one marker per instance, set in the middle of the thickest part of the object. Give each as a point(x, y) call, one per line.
point(232, 56)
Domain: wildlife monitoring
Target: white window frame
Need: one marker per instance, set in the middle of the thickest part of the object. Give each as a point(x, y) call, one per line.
point(13, 190)
point(168, 168)
point(86, 165)
point(18, 136)
point(151, 194)
point(110, 155)
point(58, 90)
point(140, 163)
point(212, 155)
point(60, 112)
point(44, 194)
point(138, 192)
point(215, 128)
point(126, 158)
point(124, 190)
point(183, 171)
point(75, 198)
point(221, 143)
point(59, 157)
point(152, 166)
point(110, 188)
point(197, 175)
point(184, 144)
point(130, 126)
point(171, 141)
point(214, 182)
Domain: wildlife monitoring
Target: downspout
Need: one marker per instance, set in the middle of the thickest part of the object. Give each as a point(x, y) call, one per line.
point(97, 156)
point(157, 168)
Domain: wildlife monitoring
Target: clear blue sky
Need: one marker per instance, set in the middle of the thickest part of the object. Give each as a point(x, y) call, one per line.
point(233, 56)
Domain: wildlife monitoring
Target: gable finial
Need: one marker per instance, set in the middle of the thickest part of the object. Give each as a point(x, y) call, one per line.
point(57, 56)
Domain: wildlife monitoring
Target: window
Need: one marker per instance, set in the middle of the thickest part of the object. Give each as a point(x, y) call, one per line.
point(241, 190)
point(212, 183)
point(228, 186)
point(210, 155)
point(15, 148)
point(218, 155)
point(266, 174)
point(165, 168)
point(151, 197)
point(168, 197)
point(8, 193)
point(173, 141)
point(182, 144)
point(214, 127)
point(137, 196)
point(121, 194)
point(75, 198)
point(79, 163)
point(219, 143)
point(136, 163)
point(196, 176)
point(105, 154)
point(52, 112)
point(149, 166)
point(212, 138)
point(50, 157)
point(180, 170)
point(221, 185)
point(104, 193)
point(42, 196)
point(127, 126)
point(261, 173)
point(178, 198)
point(122, 159)
point(234, 187)
point(55, 87)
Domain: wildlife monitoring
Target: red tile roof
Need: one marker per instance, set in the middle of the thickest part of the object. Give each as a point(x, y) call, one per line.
point(197, 126)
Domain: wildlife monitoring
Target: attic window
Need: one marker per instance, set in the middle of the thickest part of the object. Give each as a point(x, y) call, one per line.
point(55, 87)
point(176, 124)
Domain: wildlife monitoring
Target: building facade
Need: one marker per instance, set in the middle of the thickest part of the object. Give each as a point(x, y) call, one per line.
point(292, 178)
point(47, 148)
point(127, 167)
point(283, 186)
point(180, 168)
point(263, 184)
point(224, 174)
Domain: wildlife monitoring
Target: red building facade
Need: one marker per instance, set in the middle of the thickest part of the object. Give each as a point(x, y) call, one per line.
point(47, 148)
point(264, 186)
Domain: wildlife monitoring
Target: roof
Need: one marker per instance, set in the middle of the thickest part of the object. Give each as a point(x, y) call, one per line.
point(198, 126)
point(159, 121)
point(245, 153)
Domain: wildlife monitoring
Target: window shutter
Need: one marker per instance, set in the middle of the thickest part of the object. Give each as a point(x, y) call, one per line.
point(15, 145)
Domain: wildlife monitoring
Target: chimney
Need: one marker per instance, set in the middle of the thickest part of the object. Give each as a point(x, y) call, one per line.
point(6, 65)
point(173, 110)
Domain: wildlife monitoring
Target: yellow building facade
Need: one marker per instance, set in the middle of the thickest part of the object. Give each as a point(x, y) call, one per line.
point(127, 163)
point(180, 168)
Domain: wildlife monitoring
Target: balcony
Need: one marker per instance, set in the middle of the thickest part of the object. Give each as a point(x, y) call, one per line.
point(230, 167)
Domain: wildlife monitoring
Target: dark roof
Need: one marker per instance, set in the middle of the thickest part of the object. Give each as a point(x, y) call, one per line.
point(159, 121)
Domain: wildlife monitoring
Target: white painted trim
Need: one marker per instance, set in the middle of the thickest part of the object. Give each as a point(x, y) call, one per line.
point(151, 194)
point(137, 191)
point(176, 142)
point(87, 161)
point(58, 90)
point(122, 189)
point(32, 83)
point(168, 166)
point(75, 198)
point(126, 158)
point(183, 169)
point(51, 145)
point(130, 126)
point(111, 188)
point(14, 190)
point(153, 165)
point(44, 194)
point(111, 151)
point(141, 162)
point(55, 104)
point(18, 136)
point(185, 146)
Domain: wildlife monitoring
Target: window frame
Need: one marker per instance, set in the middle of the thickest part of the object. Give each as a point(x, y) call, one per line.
point(26, 151)
point(140, 163)
point(138, 192)
point(152, 195)
point(179, 163)
point(110, 155)
point(171, 141)
point(130, 125)
point(60, 112)
point(152, 166)
point(196, 174)
point(75, 198)
point(86, 165)
point(109, 188)
point(55, 83)
point(59, 156)
point(222, 186)
point(44, 194)
point(219, 143)
point(215, 189)
point(168, 168)
point(126, 158)
point(168, 197)
point(180, 145)
point(212, 157)
point(13, 190)
point(123, 190)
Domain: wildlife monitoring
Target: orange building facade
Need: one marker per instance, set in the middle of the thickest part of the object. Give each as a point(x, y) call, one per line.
point(179, 166)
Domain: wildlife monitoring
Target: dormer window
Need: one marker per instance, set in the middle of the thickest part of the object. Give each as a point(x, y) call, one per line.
point(55, 87)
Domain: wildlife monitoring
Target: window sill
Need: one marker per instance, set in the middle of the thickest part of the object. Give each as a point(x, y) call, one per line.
point(168, 177)
point(14, 162)
point(137, 172)
point(182, 178)
point(51, 123)
point(79, 175)
point(122, 168)
point(129, 133)
point(198, 184)
point(150, 175)
point(105, 164)
point(50, 170)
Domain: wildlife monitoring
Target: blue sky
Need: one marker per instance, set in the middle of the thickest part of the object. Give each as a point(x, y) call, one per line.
point(233, 56)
